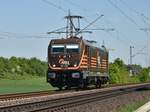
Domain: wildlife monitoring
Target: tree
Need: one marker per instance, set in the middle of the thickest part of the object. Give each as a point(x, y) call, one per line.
point(4, 65)
point(144, 75)
point(119, 62)
point(118, 72)
point(22, 66)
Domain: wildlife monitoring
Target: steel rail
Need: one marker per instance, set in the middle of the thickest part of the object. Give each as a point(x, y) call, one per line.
point(24, 95)
point(68, 102)
point(5, 97)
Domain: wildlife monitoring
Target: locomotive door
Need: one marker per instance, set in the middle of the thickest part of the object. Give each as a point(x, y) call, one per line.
point(87, 53)
point(89, 57)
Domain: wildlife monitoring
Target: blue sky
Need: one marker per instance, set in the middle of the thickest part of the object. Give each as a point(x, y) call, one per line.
point(23, 21)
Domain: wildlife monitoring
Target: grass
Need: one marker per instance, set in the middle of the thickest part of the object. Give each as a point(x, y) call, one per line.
point(131, 107)
point(24, 85)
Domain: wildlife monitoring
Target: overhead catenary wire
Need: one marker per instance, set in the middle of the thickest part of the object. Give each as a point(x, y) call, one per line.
point(58, 30)
point(142, 14)
point(143, 19)
point(130, 8)
point(117, 31)
point(54, 5)
point(146, 29)
point(134, 10)
point(107, 30)
point(138, 13)
point(75, 5)
point(139, 52)
point(90, 24)
point(145, 22)
point(123, 13)
point(25, 37)
point(128, 17)
point(6, 34)
point(82, 9)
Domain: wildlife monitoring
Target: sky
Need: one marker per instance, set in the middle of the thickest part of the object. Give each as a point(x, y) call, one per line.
point(24, 24)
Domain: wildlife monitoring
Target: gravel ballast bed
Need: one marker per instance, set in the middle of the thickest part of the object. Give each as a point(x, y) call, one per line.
point(108, 105)
point(112, 104)
point(50, 97)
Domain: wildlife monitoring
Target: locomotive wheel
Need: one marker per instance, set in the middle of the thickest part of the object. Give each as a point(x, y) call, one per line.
point(68, 88)
point(60, 87)
point(83, 85)
point(98, 84)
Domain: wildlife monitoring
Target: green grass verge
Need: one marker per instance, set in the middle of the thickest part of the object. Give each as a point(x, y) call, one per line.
point(131, 107)
point(24, 85)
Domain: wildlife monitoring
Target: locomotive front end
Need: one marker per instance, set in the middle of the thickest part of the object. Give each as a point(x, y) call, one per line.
point(63, 56)
point(63, 62)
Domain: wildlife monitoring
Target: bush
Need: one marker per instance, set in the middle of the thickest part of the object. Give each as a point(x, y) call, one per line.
point(119, 74)
point(144, 75)
point(16, 67)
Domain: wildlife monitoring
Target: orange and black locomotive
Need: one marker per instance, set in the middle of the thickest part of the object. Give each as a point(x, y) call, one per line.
point(76, 62)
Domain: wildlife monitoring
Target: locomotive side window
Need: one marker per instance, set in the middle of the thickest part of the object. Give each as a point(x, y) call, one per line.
point(58, 48)
point(72, 48)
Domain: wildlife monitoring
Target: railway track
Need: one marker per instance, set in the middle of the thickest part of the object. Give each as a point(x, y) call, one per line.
point(6, 97)
point(51, 105)
point(14, 96)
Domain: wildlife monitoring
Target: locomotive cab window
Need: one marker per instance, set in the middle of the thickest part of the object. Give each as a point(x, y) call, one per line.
point(58, 48)
point(72, 48)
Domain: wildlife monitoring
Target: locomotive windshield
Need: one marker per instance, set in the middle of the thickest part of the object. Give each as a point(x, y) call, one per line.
point(58, 48)
point(72, 48)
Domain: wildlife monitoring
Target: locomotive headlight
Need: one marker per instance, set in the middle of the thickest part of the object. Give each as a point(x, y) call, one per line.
point(75, 65)
point(51, 75)
point(54, 65)
point(76, 75)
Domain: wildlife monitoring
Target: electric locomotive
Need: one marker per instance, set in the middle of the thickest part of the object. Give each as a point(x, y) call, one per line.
point(76, 62)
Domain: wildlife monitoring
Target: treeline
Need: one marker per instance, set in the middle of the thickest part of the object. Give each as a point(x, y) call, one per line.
point(122, 73)
point(16, 67)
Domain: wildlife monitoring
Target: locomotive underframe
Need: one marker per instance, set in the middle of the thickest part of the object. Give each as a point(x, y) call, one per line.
point(80, 79)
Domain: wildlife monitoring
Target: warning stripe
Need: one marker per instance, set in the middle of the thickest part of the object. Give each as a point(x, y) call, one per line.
point(93, 66)
point(94, 63)
point(83, 66)
point(93, 58)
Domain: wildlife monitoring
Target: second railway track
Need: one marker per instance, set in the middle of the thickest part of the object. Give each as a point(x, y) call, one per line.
point(71, 101)
point(15, 96)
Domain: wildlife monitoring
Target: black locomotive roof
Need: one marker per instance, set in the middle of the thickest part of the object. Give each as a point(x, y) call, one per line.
point(70, 40)
point(94, 44)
